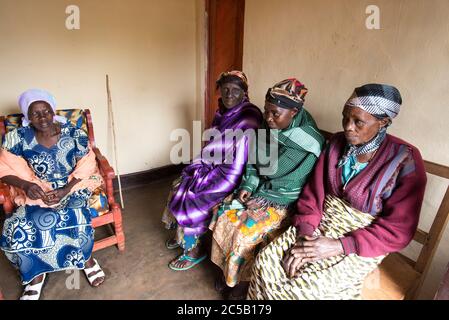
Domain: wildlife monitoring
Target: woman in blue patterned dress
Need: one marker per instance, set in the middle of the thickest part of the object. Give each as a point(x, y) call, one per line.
point(52, 172)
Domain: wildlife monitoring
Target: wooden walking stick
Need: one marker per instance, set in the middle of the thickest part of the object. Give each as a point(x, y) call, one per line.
point(111, 114)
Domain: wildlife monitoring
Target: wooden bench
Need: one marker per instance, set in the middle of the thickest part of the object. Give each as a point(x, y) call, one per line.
point(443, 290)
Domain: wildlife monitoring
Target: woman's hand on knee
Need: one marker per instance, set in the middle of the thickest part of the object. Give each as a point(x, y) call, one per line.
point(244, 195)
point(291, 264)
point(253, 205)
point(55, 196)
point(33, 191)
point(316, 248)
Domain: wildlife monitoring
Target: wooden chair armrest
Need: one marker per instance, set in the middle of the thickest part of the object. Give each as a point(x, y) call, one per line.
point(108, 174)
point(103, 164)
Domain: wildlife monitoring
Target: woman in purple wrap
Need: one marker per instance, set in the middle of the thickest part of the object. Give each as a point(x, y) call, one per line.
point(210, 178)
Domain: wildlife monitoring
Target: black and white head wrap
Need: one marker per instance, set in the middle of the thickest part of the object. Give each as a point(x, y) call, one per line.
point(380, 100)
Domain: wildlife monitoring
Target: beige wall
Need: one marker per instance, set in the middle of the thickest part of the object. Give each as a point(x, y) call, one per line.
point(149, 48)
point(325, 44)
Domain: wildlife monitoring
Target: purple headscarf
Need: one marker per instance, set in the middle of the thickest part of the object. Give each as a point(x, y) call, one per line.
point(33, 95)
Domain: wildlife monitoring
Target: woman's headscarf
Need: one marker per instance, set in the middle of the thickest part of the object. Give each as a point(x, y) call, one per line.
point(234, 75)
point(33, 95)
point(288, 94)
point(380, 100)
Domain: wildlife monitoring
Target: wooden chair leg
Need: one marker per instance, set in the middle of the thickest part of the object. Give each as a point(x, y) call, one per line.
point(1, 295)
point(117, 212)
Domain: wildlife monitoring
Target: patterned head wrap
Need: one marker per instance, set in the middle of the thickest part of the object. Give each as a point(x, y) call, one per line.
point(229, 76)
point(379, 100)
point(33, 95)
point(288, 94)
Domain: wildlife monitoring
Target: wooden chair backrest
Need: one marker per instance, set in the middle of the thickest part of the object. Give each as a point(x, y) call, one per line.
point(431, 239)
point(71, 114)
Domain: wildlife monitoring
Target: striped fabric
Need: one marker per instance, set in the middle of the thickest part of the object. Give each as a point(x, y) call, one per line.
point(299, 147)
point(377, 99)
point(338, 278)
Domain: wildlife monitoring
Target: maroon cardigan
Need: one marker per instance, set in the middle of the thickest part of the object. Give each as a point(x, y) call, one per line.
point(391, 188)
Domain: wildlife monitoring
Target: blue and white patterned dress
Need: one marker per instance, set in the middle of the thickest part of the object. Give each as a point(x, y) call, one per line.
point(38, 240)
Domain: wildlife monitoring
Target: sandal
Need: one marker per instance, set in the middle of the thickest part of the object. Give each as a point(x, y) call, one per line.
point(184, 257)
point(33, 287)
point(171, 245)
point(95, 272)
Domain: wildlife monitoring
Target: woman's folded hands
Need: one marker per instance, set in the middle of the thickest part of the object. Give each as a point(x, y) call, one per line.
point(34, 192)
point(309, 249)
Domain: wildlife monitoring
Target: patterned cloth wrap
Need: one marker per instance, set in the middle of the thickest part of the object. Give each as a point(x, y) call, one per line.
point(239, 233)
point(338, 277)
point(98, 201)
point(39, 239)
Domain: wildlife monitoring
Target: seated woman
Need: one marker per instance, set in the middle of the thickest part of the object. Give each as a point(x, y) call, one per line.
point(52, 173)
point(206, 182)
point(264, 197)
point(361, 203)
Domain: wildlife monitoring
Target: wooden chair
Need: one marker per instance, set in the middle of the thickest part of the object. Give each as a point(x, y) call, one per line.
point(443, 290)
point(399, 277)
point(82, 119)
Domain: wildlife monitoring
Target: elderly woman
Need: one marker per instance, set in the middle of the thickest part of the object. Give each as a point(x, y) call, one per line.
point(206, 182)
point(52, 173)
point(264, 199)
point(361, 203)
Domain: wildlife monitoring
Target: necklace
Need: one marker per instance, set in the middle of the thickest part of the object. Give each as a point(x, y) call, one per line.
point(370, 158)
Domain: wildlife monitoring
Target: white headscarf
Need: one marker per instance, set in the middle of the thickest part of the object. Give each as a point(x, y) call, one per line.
point(33, 95)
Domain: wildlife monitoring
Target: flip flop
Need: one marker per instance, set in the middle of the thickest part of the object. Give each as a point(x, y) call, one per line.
point(34, 287)
point(99, 274)
point(184, 257)
point(171, 246)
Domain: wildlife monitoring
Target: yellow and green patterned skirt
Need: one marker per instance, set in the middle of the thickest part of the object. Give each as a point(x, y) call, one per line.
point(339, 277)
point(238, 233)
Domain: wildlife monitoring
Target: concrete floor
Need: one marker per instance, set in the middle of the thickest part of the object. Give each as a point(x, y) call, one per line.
point(140, 272)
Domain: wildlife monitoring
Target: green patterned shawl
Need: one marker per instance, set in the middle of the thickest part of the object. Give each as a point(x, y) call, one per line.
point(299, 147)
